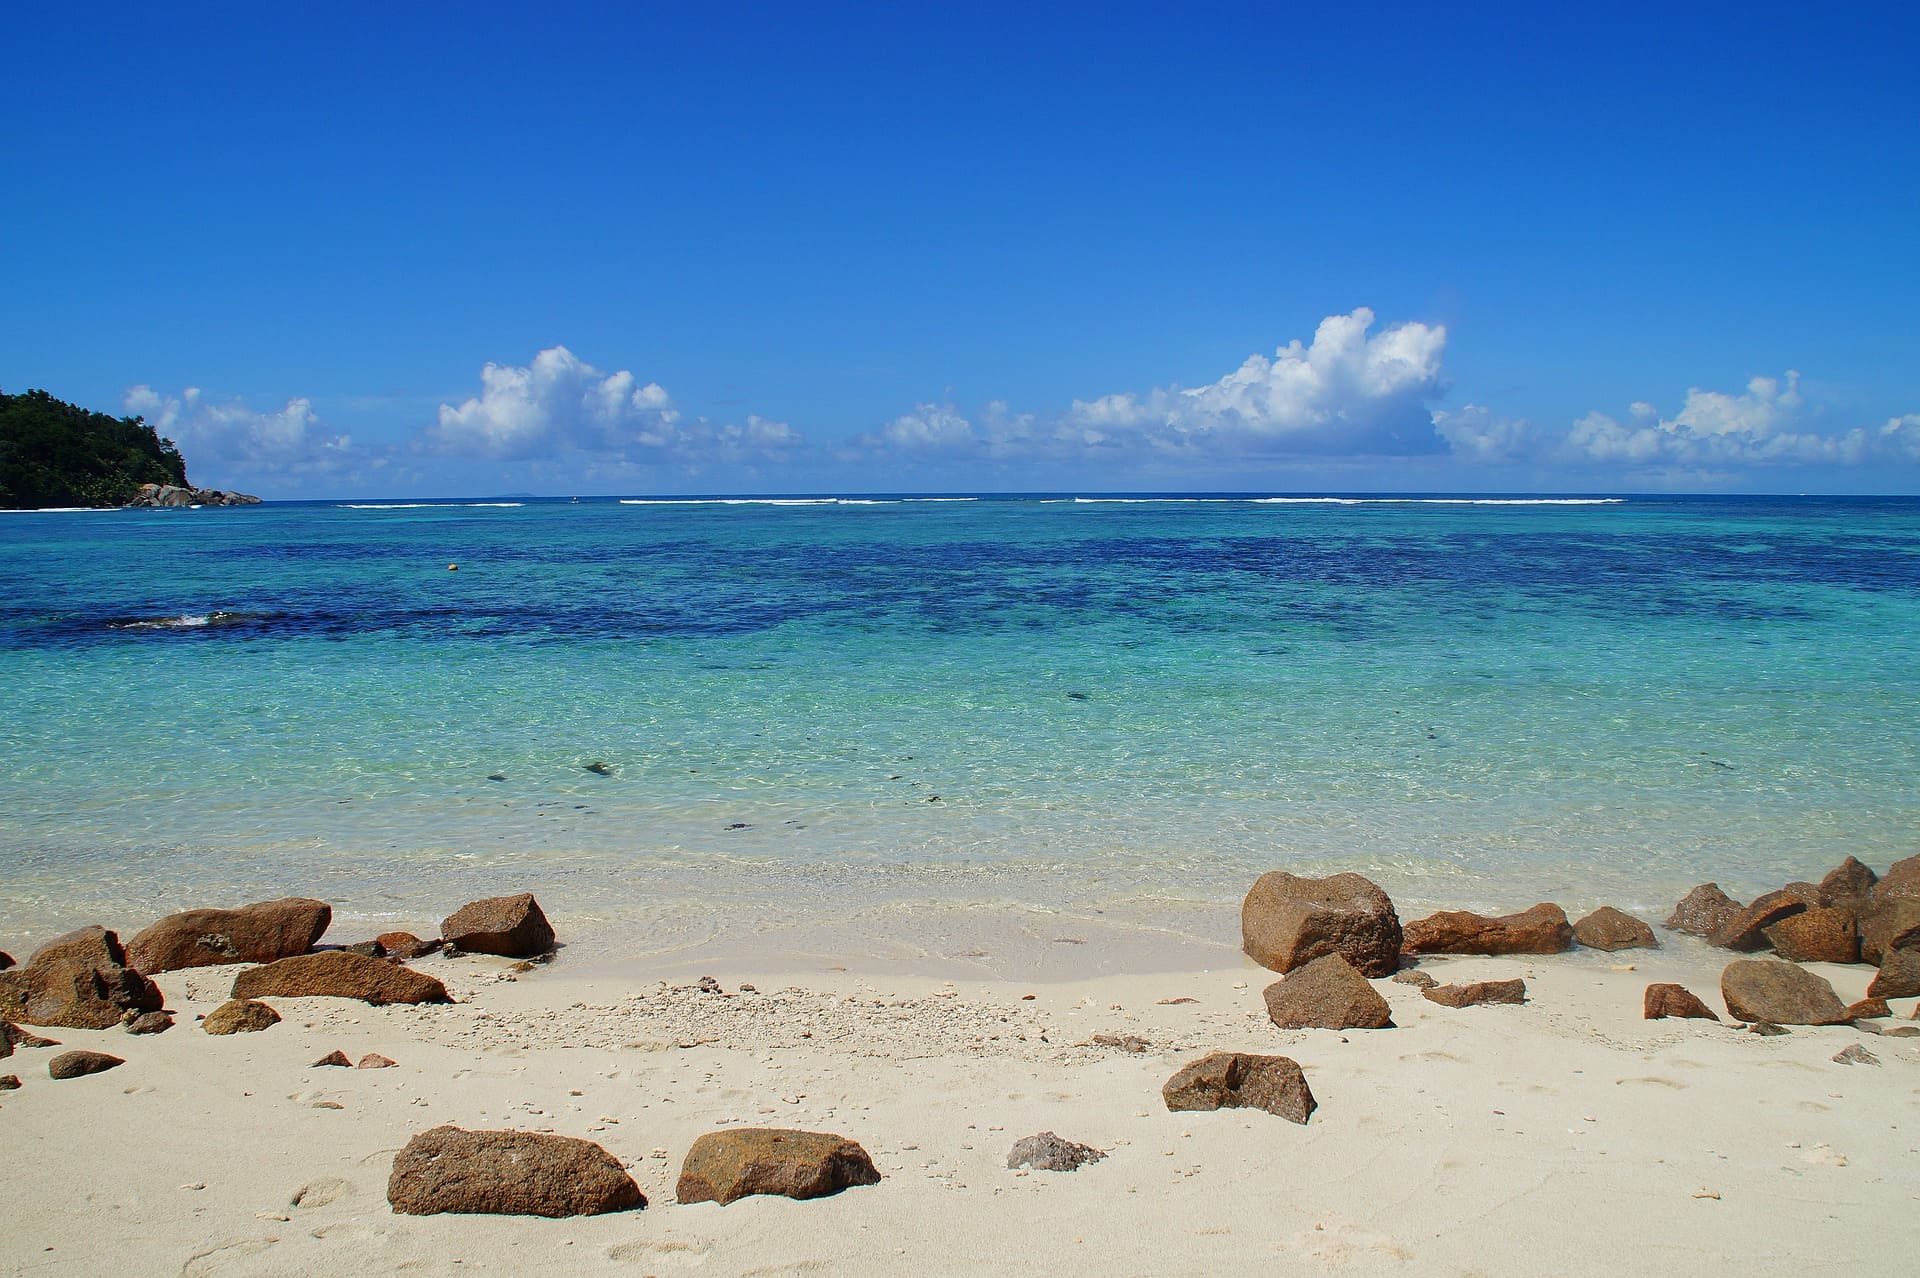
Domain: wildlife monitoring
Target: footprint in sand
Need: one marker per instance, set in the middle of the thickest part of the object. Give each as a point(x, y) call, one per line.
point(1651, 1081)
point(219, 1257)
point(321, 1193)
point(657, 1250)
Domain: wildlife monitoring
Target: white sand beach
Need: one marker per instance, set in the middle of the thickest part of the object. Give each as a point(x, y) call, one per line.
point(1565, 1135)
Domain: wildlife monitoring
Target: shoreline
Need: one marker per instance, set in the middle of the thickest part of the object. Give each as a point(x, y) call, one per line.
point(1564, 1134)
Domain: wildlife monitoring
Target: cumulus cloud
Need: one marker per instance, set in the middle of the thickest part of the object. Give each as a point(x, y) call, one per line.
point(231, 439)
point(1348, 392)
point(560, 404)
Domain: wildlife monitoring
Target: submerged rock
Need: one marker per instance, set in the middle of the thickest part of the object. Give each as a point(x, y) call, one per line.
point(725, 1166)
point(1610, 929)
point(1241, 1080)
point(1327, 994)
point(508, 1173)
point(1048, 1152)
point(1287, 921)
point(257, 933)
point(513, 926)
point(1542, 929)
point(1779, 993)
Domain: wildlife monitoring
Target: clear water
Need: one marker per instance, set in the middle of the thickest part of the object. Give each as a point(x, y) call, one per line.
point(1131, 707)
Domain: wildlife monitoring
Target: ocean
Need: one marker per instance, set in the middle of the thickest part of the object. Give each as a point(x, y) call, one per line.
point(695, 723)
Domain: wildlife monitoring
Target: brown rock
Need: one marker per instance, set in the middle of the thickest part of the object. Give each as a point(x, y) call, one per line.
point(1703, 911)
point(374, 1060)
point(1822, 934)
point(17, 1037)
point(9, 1082)
point(257, 933)
point(74, 1064)
point(366, 949)
point(1885, 926)
point(6, 960)
point(1610, 929)
point(1414, 976)
point(1849, 881)
point(338, 974)
point(93, 945)
point(335, 1057)
point(1868, 1007)
point(1509, 991)
point(1780, 993)
point(1663, 1001)
point(1288, 921)
point(1327, 994)
point(1541, 930)
point(1900, 882)
point(1899, 976)
point(150, 1023)
point(1747, 929)
point(509, 925)
point(724, 1166)
point(240, 1016)
point(1857, 1054)
point(508, 1174)
point(74, 993)
point(1232, 1080)
point(405, 945)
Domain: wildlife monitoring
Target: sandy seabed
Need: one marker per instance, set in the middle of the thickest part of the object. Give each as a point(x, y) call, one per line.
point(1565, 1135)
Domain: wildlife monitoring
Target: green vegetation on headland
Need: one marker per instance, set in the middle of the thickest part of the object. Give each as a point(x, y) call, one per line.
point(53, 453)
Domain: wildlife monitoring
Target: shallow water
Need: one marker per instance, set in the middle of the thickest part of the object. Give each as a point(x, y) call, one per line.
point(832, 713)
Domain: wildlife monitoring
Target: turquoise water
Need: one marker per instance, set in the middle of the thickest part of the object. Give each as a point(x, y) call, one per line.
point(839, 708)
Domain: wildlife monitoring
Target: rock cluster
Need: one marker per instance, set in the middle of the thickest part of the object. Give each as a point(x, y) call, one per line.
point(1851, 916)
point(175, 495)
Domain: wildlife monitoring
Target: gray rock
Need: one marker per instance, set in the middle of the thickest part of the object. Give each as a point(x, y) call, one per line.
point(1857, 1054)
point(1048, 1152)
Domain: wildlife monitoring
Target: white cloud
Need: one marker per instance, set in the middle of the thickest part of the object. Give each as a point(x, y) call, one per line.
point(560, 404)
point(234, 441)
point(1770, 423)
point(1346, 393)
point(1478, 434)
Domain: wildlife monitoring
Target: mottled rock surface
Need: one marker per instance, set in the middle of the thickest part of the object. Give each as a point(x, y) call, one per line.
point(1327, 994)
point(75, 1064)
point(725, 1166)
point(150, 1023)
point(513, 926)
point(338, 974)
point(1820, 934)
point(508, 1173)
point(1849, 881)
point(1900, 882)
point(1664, 1000)
point(1235, 1080)
point(1048, 1152)
point(1856, 1054)
point(1508, 991)
point(1898, 977)
point(1703, 911)
point(240, 1016)
point(1610, 929)
point(1886, 925)
point(1287, 921)
point(257, 933)
point(1779, 993)
point(77, 981)
point(1541, 930)
point(1414, 976)
point(1746, 930)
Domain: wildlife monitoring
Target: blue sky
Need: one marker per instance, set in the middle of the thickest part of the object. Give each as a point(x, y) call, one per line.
point(405, 250)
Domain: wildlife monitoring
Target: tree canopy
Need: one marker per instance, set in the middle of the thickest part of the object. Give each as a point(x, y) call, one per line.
point(53, 453)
